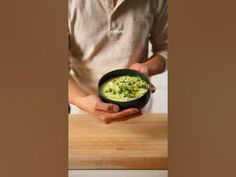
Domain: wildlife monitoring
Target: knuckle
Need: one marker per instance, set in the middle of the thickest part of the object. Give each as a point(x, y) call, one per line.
point(107, 122)
point(104, 118)
point(109, 108)
point(105, 108)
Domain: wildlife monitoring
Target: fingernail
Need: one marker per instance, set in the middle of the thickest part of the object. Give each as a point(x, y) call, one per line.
point(136, 110)
point(116, 108)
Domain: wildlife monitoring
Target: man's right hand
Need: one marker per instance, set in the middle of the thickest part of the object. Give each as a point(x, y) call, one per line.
point(106, 112)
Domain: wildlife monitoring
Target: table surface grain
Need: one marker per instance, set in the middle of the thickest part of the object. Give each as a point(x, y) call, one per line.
point(140, 143)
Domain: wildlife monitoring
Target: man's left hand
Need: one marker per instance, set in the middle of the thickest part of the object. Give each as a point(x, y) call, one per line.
point(142, 68)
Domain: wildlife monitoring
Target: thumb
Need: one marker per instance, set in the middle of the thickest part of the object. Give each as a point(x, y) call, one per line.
point(107, 107)
point(153, 88)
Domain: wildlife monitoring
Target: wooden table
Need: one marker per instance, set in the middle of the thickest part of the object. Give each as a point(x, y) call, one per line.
point(140, 143)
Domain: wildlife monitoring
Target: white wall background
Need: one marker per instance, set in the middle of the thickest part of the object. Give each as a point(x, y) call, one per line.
point(160, 97)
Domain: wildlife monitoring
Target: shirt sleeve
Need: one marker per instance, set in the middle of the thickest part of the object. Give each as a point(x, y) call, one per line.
point(159, 32)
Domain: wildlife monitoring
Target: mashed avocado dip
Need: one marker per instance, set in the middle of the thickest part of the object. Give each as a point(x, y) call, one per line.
point(124, 88)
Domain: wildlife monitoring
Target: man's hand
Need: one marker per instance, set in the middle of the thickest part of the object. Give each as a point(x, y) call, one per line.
point(142, 68)
point(105, 111)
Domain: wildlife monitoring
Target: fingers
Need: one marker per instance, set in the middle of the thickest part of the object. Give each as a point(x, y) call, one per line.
point(140, 68)
point(107, 107)
point(153, 88)
point(127, 118)
point(122, 115)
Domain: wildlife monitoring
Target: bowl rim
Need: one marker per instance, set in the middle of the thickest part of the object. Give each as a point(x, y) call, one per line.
point(118, 70)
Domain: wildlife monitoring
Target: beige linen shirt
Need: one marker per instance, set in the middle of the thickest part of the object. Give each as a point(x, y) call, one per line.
point(103, 38)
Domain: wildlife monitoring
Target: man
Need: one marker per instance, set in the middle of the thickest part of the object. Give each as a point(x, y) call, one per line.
point(105, 35)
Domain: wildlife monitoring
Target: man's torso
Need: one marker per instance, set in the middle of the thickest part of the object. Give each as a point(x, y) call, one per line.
point(103, 37)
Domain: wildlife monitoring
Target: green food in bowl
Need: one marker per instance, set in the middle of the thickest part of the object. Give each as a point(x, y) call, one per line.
point(124, 88)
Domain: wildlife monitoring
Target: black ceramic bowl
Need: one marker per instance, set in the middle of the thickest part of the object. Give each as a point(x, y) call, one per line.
point(137, 103)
